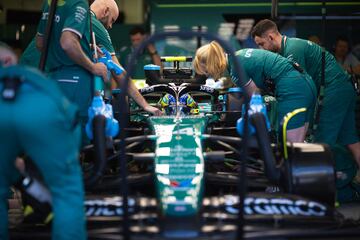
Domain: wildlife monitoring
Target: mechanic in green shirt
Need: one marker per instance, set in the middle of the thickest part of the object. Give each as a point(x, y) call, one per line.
point(149, 56)
point(100, 24)
point(104, 13)
point(261, 68)
point(41, 122)
point(69, 56)
point(337, 115)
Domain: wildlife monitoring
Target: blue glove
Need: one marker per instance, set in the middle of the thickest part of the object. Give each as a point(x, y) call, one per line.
point(97, 107)
point(256, 106)
point(110, 65)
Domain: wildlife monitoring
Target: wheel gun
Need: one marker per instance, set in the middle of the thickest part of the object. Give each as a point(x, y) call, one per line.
point(110, 65)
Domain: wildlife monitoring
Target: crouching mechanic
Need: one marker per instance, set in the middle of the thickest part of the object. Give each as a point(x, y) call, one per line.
point(293, 89)
point(103, 14)
point(41, 123)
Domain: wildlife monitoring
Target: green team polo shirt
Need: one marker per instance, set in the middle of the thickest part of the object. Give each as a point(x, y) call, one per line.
point(141, 61)
point(101, 34)
point(71, 15)
point(260, 65)
point(31, 55)
point(308, 55)
point(293, 89)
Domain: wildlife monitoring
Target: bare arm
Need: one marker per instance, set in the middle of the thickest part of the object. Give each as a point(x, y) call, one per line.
point(39, 42)
point(154, 55)
point(354, 69)
point(134, 93)
point(69, 42)
point(250, 87)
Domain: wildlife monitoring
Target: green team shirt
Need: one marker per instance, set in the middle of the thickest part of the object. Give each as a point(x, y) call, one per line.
point(101, 34)
point(141, 61)
point(293, 89)
point(71, 15)
point(308, 55)
point(31, 55)
point(260, 65)
point(336, 123)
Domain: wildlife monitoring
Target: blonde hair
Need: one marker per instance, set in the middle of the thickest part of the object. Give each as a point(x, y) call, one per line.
point(210, 60)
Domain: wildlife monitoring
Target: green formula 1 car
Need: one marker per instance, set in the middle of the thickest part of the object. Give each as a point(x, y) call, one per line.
point(189, 175)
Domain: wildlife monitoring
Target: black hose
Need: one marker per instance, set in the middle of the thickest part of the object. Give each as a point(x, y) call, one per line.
point(47, 36)
point(98, 124)
point(271, 172)
point(242, 187)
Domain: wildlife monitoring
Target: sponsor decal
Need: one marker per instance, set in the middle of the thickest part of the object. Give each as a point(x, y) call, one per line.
point(180, 184)
point(277, 206)
point(45, 17)
point(248, 53)
point(105, 208)
point(80, 14)
point(147, 89)
point(206, 89)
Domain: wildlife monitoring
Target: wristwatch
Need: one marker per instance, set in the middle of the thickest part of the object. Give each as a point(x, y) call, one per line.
point(153, 53)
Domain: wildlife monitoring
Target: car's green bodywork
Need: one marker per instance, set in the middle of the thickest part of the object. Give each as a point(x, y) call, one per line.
point(179, 163)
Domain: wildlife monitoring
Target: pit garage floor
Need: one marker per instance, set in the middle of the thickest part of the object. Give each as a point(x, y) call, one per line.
point(350, 210)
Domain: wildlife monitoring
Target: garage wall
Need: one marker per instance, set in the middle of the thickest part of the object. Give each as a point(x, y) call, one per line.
point(22, 33)
point(297, 18)
point(30, 5)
